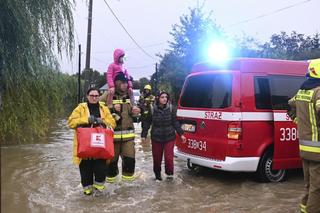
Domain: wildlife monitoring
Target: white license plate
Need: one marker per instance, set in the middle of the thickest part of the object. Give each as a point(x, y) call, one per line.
point(188, 127)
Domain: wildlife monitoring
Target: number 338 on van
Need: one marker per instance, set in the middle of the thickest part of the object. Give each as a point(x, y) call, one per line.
point(194, 144)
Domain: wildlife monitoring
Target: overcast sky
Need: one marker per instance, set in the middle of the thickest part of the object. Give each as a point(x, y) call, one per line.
point(150, 21)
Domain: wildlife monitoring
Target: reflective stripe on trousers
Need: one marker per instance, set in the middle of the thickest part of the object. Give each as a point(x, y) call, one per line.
point(124, 134)
point(98, 186)
point(111, 179)
point(128, 178)
point(309, 146)
point(127, 101)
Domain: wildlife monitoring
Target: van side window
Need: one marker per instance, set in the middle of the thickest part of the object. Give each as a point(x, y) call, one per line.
point(283, 88)
point(207, 91)
point(262, 93)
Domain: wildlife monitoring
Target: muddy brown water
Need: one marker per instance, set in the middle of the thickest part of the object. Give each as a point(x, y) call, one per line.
point(40, 177)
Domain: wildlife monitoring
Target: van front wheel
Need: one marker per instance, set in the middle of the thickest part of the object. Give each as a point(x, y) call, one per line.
point(265, 173)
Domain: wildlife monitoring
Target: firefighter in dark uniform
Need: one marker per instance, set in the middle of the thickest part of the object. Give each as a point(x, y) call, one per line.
point(124, 134)
point(146, 101)
point(305, 111)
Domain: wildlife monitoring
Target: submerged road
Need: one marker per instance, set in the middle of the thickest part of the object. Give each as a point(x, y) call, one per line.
point(40, 177)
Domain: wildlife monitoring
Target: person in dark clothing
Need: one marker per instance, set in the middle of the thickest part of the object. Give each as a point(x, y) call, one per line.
point(305, 112)
point(146, 100)
point(163, 133)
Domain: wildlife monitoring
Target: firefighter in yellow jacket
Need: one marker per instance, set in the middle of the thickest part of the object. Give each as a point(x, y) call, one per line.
point(93, 112)
point(146, 101)
point(305, 111)
point(124, 134)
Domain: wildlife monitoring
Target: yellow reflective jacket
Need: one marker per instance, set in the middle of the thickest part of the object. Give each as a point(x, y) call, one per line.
point(80, 115)
point(305, 111)
point(124, 130)
point(145, 103)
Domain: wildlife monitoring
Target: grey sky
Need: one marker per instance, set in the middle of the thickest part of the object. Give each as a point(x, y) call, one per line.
point(150, 21)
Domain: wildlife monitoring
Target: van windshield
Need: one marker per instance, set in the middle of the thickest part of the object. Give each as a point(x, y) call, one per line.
point(207, 91)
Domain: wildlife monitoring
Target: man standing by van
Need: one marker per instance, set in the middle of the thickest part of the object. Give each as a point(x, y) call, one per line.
point(305, 111)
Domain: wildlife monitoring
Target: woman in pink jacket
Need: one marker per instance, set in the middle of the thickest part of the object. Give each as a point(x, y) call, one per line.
point(113, 70)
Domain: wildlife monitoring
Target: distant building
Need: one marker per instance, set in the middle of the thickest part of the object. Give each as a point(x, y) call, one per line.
point(104, 88)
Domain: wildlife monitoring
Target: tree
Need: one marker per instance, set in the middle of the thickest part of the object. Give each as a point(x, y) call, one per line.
point(190, 39)
point(31, 87)
point(296, 46)
point(92, 78)
point(142, 83)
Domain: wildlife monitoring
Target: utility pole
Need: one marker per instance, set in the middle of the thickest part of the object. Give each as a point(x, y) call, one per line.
point(79, 74)
point(156, 80)
point(89, 36)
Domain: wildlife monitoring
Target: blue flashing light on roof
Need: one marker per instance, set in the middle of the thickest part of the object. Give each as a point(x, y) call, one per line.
point(218, 52)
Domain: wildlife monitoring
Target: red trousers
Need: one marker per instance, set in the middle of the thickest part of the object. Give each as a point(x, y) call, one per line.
point(158, 149)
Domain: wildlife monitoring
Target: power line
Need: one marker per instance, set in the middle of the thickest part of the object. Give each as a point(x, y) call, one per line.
point(271, 13)
point(147, 46)
point(133, 48)
point(123, 27)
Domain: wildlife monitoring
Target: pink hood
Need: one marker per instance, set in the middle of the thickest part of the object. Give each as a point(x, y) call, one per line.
point(117, 54)
point(115, 68)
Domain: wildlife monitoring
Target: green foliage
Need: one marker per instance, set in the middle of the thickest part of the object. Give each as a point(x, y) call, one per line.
point(92, 78)
point(294, 47)
point(191, 36)
point(32, 91)
point(136, 84)
point(141, 83)
point(28, 109)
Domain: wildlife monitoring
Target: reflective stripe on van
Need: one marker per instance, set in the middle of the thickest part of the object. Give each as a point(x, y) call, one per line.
point(234, 116)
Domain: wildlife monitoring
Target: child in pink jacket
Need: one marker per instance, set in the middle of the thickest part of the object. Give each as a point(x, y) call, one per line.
point(113, 70)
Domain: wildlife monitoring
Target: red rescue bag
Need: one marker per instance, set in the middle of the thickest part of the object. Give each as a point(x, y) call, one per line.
point(95, 142)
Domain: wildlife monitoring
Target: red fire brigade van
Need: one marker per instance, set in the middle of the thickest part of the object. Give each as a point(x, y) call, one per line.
point(235, 117)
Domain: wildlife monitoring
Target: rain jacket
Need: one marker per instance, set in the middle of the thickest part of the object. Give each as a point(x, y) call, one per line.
point(305, 111)
point(79, 117)
point(115, 68)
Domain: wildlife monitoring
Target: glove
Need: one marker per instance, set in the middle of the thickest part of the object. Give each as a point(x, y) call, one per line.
point(91, 119)
point(116, 117)
point(99, 121)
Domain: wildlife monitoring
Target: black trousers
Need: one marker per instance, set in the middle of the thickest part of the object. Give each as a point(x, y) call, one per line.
point(143, 123)
point(92, 170)
point(126, 151)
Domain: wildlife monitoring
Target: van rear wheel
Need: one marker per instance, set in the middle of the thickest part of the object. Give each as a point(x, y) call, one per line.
point(265, 173)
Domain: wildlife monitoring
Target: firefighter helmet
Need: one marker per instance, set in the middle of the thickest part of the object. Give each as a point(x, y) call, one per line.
point(147, 87)
point(314, 68)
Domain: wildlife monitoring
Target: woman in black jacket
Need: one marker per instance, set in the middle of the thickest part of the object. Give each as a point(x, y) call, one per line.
point(163, 132)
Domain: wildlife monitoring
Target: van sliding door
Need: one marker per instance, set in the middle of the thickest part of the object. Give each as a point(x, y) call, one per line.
point(286, 142)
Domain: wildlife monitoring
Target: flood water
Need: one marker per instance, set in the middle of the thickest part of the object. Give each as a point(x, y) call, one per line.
point(40, 177)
